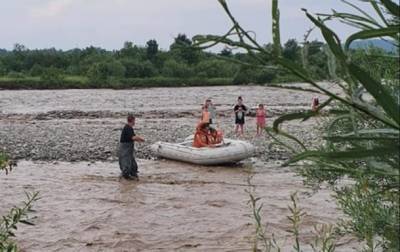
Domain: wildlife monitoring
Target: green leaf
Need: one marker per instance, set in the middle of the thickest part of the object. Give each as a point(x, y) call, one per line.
point(27, 222)
point(379, 11)
point(290, 117)
point(323, 105)
point(360, 10)
point(347, 155)
point(376, 89)
point(299, 115)
point(374, 33)
point(283, 86)
point(331, 38)
point(276, 29)
point(282, 133)
point(349, 138)
point(393, 8)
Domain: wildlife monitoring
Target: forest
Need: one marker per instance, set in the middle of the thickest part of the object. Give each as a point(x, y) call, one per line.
point(148, 66)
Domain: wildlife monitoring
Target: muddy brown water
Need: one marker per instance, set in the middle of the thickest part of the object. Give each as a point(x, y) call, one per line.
point(174, 207)
point(84, 206)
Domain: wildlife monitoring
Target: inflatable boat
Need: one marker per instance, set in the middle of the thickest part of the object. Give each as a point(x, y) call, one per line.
point(229, 151)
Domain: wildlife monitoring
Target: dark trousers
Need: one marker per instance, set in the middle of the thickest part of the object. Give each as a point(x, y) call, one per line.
point(127, 162)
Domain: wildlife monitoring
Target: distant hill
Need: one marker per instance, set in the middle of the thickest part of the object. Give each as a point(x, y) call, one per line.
point(385, 45)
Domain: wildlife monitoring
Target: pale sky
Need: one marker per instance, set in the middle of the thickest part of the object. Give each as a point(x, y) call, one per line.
point(67, 24)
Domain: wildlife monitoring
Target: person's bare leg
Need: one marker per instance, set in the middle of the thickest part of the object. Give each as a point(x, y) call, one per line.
point(237, 129)
point(241, 129)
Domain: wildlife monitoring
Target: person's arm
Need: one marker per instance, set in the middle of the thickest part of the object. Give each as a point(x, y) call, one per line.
point(138, 139)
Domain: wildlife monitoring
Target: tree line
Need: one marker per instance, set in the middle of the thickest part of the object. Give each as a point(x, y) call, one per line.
point(143, 66)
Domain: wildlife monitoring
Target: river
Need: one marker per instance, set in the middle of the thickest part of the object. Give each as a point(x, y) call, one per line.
point(84, 206)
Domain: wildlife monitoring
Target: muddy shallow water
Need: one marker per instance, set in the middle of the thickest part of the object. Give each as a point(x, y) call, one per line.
point(175, 206)
point(85, 207)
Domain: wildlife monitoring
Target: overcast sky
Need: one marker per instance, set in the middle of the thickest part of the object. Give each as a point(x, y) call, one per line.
point(66, 24)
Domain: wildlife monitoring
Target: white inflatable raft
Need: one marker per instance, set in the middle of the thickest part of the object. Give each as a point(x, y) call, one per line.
point(228, 152)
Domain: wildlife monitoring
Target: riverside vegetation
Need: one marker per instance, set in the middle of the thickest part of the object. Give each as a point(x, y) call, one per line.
point(362, 131)
point(16, 215)
point(148, 66)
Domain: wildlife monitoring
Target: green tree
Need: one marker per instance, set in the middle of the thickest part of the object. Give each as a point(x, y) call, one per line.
point(291, 50)
point(138, 69)
point(36, 70)
point(132, 51)
point(52, 75)
point(176, 69)
point(3, 69)
point(182, 49)
point(214, 68)
point(226, 52)
point(151, 49)
point(106, 71)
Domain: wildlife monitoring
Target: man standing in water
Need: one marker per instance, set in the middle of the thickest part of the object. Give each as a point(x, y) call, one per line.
point(127, 162)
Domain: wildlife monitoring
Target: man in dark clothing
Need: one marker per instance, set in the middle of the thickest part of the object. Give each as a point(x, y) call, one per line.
point(127, 162)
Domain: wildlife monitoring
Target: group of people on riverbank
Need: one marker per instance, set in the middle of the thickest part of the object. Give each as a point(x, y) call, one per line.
point(206, 134)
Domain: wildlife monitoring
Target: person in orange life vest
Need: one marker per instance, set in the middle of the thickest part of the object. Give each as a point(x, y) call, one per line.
point(201, 136)
point(204, 137)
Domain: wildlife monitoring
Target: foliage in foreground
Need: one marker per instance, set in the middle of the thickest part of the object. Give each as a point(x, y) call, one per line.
point(361, 138)
point(324, 235)
point(8, 223)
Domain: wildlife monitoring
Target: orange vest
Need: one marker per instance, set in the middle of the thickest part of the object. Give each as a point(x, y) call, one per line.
point(200, 139)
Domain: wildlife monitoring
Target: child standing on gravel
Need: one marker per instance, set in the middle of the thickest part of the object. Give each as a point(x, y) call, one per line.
point(240, 109)
point(260, 119)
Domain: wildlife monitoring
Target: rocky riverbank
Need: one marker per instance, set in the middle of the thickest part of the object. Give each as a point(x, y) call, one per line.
point(76, 125)
point(90, 136)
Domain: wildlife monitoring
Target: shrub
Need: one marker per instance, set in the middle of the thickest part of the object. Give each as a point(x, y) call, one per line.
point(101, 72)
point(176, 69)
